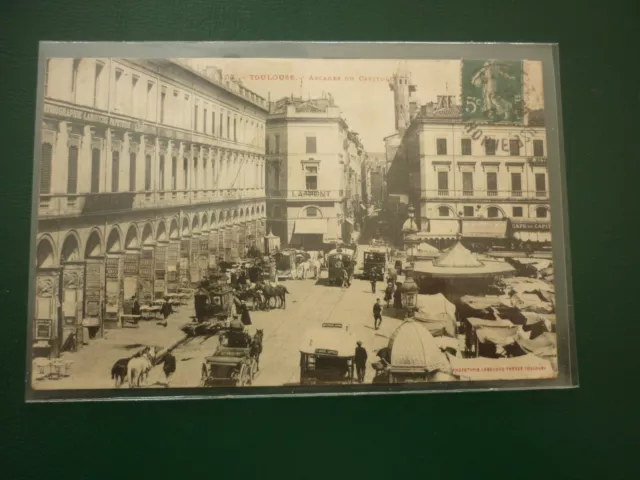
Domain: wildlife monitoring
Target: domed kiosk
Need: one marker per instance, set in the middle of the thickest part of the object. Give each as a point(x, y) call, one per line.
point(414, 357)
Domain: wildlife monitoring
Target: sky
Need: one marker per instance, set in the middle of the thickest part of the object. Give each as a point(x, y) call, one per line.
point(359, 87)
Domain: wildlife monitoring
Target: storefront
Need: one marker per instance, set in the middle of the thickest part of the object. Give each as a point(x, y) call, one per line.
point(481, 233)
point(194, 262)
point(114, 269)
point(309, 233)
point(160, 271)
point(94, 296)
point(46, 333)
point(173, 266)
point(131, 274)
point(203, 257)
point(213, 248)
point(441, 233)
point(228, 240)
point(531, 234)
point(146, 275)
point(183, 268)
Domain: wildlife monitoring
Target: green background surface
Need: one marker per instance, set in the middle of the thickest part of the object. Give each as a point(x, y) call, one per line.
point(590, 432)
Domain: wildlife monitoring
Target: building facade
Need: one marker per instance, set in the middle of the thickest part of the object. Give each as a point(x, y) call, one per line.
point(487, 183)
point(313, 176)
point(150, 171)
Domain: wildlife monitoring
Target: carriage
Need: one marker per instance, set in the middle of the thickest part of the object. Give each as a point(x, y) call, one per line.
point(214, 309)
point(337, 260)
point(327, 356)
point(375, 260)
point(235, 361)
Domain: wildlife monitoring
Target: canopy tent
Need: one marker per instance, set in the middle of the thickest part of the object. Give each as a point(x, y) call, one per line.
point(438, 314)
point(489, 307)
point(413, 348)
point(531, 302)
point(459, 262)
point(527, 285)
point(425, 250)
point(458, 257)
point(516, 368)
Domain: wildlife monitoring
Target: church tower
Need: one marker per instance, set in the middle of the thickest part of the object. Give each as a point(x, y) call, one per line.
point(402, 89)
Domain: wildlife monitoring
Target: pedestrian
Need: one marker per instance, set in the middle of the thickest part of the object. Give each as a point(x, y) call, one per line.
point(397, 301)
point(166, 309)
point(135, 309)
point(345, 277)
point(360, 361)
point(245, 318)
point(377, 314)
point(388, 293)
point(169, 366)
point(373, 279)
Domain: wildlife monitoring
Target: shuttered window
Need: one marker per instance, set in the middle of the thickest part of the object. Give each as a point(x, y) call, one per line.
point(147, 172)
point(95, 170)
point(45, 168)
point(72, 170)
point(161, 173)
point(115, 171)
point(132, 172)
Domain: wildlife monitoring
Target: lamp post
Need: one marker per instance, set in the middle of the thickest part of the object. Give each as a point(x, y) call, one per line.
point(409, 291)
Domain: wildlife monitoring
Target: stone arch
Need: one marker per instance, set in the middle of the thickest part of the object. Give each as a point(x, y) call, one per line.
point(174, 231)
point(147, 234)
point(212, 219)
point(442, 208)
point(228, 216)
point(195, 224)
point(161, 232)
point(185, 226)
point(132, 240)
point(246, 212)
point(94, 246)
point(70, 251)
point(309, 211)
point(205, 222)
point(537, 210)
point(253, 211)
point(45, 252)
point(114, 240)
point(241, 214)
point(486, 210)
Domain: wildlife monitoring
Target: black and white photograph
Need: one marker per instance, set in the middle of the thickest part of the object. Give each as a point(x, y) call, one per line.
point(219, 222)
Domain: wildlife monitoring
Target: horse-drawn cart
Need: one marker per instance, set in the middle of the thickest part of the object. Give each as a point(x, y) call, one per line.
point(214, 309)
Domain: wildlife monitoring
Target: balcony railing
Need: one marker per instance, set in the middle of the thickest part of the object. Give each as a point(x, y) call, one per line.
point(494, 194)
point(54, 205)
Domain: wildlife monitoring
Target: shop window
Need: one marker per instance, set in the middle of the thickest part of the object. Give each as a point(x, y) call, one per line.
point(493, 212)
point(132, 172)
point(441, 146)
point(311, 178)
point(45, 168)
point(115, 171)
point(538, 148)
point(517, 211)
point(72, 170)
point(467, 211)
point(95, 170)
point(443, 211)
point(541, 212)
point(466, 146)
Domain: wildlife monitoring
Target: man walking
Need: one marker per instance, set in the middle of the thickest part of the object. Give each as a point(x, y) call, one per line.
point(360, 361)
point(377, 314)
point(373, 278)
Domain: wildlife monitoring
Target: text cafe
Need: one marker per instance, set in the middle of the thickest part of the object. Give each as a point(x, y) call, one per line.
point(531, 231)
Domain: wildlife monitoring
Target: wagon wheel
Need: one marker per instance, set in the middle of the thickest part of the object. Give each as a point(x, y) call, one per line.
point(244, 376)
point(204, 376)
point(253, 370)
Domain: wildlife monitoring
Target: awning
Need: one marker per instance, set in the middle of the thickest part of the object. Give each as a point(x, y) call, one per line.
point(310, 226)
point(484, 228)
point(441, 229)
point(525, 236)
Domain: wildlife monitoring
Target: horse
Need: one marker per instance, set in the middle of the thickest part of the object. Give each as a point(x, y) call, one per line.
point(119, 371)
point(281, 294)
point(303, 269)
point(256, 347)
point(269, 292)
point(139, 367)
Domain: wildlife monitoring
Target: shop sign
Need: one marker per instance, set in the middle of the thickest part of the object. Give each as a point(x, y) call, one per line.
point(531, 226)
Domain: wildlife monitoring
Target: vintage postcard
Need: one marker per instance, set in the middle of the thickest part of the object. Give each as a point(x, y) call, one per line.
point(231, 225)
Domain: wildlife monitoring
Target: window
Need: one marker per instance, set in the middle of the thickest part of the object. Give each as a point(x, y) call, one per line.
point(516, 184)
point(213, 123)
point(195, 118)
point(47, 66)
point(134, 96)
point(72, 170)
point(116, 92)
point(174, 173)
point(492, 184)
point(161, 172)
point(538, 148)
point(95, 170)
point(514, 147)
point(312, 212)
point(149, 90)
point(311, 178)
point(466, 146)
point(163, 99)
point(221, 123)
point(185, 173)
point(235, 133)
point(277, 140)
point(490, 146)
point(277, 177)
point(204, 120)
point(266, 145)
point(147, 173)
point(441, 146)
point(493, 212)
point(132, 172)
point(443, 211)
point(115, 171)
point(45, 168)
point(467, 183)
point(195, 173)
point(74, 74)
point(541, 184)
point(228, 126)
point(467, 211)
point(517, 211)
point(311, 144)
point(96, 83)
point(541, 212)
point(443, 183)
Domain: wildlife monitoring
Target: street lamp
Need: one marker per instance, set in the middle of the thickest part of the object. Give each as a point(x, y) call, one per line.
point(409, 292)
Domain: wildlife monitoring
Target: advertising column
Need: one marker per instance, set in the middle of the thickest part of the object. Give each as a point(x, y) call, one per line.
point(72, 304)
point(173, 266)
point(94, 296)
point(130, 284)
point(213, 248)
point(194, 258)
point(235, 251)
point(160, 269)
point(228, 240)
point(203, 263)
point(183, 268)
point(146, 275)
point(46, 324)
point(113, 290)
